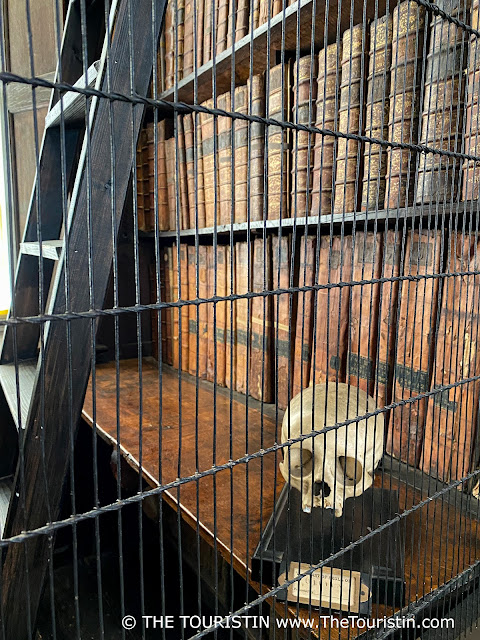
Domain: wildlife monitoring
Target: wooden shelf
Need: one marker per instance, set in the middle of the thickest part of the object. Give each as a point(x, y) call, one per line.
point(409, 213)
point(282, 34)
point(239, 523)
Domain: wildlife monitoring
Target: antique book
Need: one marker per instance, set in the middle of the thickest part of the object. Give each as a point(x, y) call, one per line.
point(190, 166)
point(405, 80)
point(184, 310)
point(231, 323)
point(438, 176)
point(209, 163)
point(242, 313)
point(331, 310)
point(180, 27)
point(174, 280)
point(240, 168)
point(376, 113)
point(283, 324)
point(471, 170)
point(162, 187)
point(415, 344)
point(278, 140)
point(140, 181)
point(328, 81)
point(451, 422)
point(221, 332)
point(150, 181)
point(256, 13)
point(188, 38)
point(304, 318)
point(242, 25)
point(169, 31)
point(387, 318)
point(181, 164)
point(161, 71)
point(365, 298)
point(202, 312)
point(200, 188)
point(199, 7)
point(216, 286)
point(347, 179)
point(167, 255)
point(224, 162)
point(261, 379)
point(256, 87)
point(171, 185)
point(211, 315)
point(207, 30)
point(222, 18)
point(193, 336)
point(303, 112)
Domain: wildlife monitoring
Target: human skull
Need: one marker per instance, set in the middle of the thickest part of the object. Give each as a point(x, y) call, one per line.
point(337, 464)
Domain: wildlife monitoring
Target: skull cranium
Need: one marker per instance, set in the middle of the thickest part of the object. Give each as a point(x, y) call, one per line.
point(337, 464)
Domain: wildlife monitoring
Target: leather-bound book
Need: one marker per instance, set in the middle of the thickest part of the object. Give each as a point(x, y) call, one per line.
point(170, 167)
point(387, 318)
point(211, 314)
point(415, 344)
point(242, 25)
point(222, 18)
point(209, 163)
point(451, 424)
point(181, 164)
point(162, 187)
point(190, 166)
point(221, 332)
point(161, 71)
point(150, 181)
point(167, 255)
point(224, 163)
point(403, 119)
point(180, 26)
point(216, 283)
point(192, 310)
point(261, 380)
point(330, 341)
point(471, 170)
point(169, 31)
point(200, 188)
point(184, 310)
point(303, 112)
point(241, 155)
point(175, 310)
point(207, 30)
point(328, 82)
point(348, 179)
point(304, 319)
point(202, 312)
point(140, 181)
point(256, 13)
point(231, 323)
point(376, 113)
point(367, 265)
point(188, 39)
point(242, 286)
point(199, 7)
point(278, 173)
point(438, 176)
point(283, 326)
point(256, 87)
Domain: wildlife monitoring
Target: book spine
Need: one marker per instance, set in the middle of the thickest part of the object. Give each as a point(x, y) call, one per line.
point(326, 118)
point(184, 310)
point(221, 313)
point(188, 39)
point(242, 19)
point(405, 79)
point(278, 143)
point(222, 25)
point(351, 94)
point(168, 291)
point(242, 275)
point(387, 321)
point(304, 96)
point(161, 71)
point(260, 386)
point(199, 8)
point(471, 170)
point(376, 114)
point(181, 162)
point(438, 176)
point(207, 31)
point(224, 154)
point(202, 312)
point(140, 181)
point(180, 26)
point(175, 310)
point(171, 183)
point(150, 214)
point(304, 320)
point(169, 31)
point(200, 187)
point(330, 346)
point(283, 328)
point(256, 88)
point(415, 345)
point(241, 155)
point(162, 185)
point(209, 165)
point(190, 165)
point(256, 13)
point(450, 425)
point(367, 264)
point(192, 310)
point(211, 315)
point(231, 323)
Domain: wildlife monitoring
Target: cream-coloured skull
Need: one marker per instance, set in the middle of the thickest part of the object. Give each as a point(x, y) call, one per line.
point(335, 465)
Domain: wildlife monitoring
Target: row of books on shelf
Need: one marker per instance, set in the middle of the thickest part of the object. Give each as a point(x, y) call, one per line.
point(222, 169)
point(396, 338)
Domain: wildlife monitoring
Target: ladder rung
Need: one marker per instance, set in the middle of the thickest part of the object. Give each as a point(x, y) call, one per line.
point(5, 494)
point(73, 103)
point(27, 370)
point(51, 249)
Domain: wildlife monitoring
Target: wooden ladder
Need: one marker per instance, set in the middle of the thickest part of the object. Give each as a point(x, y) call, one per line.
point(44, 386)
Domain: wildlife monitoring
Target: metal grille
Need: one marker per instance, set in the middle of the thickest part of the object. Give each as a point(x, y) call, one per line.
point(239, 371)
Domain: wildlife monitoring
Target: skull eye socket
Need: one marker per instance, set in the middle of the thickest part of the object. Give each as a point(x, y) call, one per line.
point(299, 461)
point(351, 470)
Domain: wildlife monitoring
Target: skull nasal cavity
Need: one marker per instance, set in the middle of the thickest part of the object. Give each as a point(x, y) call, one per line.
point(323, 487)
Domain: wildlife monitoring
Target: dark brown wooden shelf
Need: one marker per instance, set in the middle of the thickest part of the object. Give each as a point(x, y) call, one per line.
point(281, 34)
point(449, 532)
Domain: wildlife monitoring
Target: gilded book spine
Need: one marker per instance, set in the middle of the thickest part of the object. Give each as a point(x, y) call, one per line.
point(190, 165)
point(171, 184)
point(180, 27)
point(222, 25)
point(304, 320)
point(415, 344)
point(200, 186)
point(188, 39)
point(256, 88)
point(162, 186)
point(283, 328)
point(326, 118)
point(181, 163)
point(376, 115)
point(405, 79)
point(471, 170)
point(241, 155)
point(207, 30)
point(349, 120)
point(209, 163)
point(169, 31)
point(199, 8)
point(224, 147)
point(241, 19)
point(304, 95)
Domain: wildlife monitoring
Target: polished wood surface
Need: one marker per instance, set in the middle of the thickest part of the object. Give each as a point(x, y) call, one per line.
point(233, 505)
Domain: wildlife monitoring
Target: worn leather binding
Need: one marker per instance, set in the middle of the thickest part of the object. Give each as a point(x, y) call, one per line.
point(471, 171)
point(332, 310)
point(326, 118)
point(222, 25)
point(415, 344)
point(303, 112)
point(188, 39)
point(224, 164)
point(162, 188)
point(175, 310)
point(256, 87)
point(278, 143)
point(304, 319)
point(242, 19)
point(202, 312)
point(347, 187)
point(171, 184)
point(150, 179)
point(376, 113)
point(169, 31)
point(207, 127)
point(261, 385)
point(242, 283)
point(451, 421)
point(221, 313)
point(231, 323)
point(283, 327)
point(181, 162)
point(367, 264)
point(207, 30)
point(405, 79)
point(438, 176)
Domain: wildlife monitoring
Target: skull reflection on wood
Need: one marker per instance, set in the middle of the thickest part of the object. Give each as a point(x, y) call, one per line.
point(330, 467)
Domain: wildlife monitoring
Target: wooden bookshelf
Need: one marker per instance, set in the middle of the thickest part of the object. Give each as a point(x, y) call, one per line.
point(289, 30)
point(446, 527)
